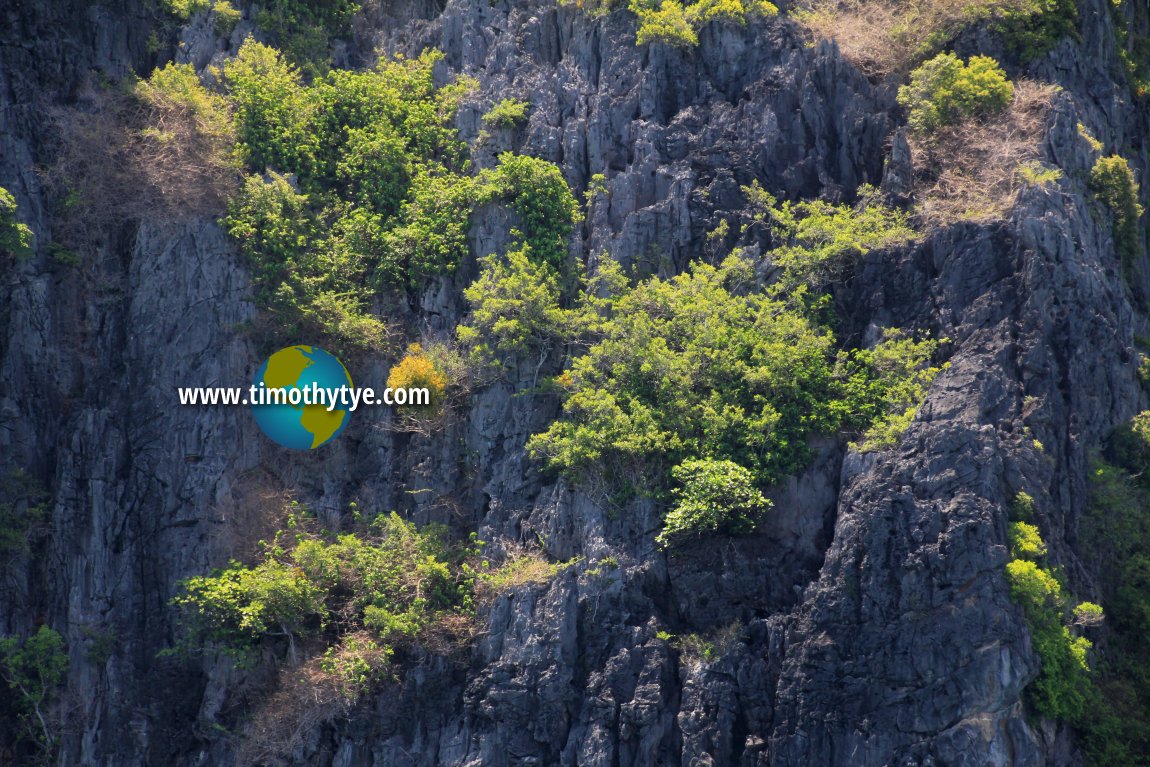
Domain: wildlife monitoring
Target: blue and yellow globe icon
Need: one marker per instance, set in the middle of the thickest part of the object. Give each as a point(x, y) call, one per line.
point(306, 369)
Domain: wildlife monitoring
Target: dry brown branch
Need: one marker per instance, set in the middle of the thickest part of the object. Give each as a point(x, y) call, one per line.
point(123, 158)
point(882, 37)
point(970, 171)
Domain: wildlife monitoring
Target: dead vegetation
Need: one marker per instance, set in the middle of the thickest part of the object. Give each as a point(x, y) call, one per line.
point(132, 154)
point(307, 698)
point(974, 170)
point(883, 37)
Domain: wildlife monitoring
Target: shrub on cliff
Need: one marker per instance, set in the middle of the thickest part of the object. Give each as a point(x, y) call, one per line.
point(418, 371)
point(944, 90)
point(15, 237)
point(34, 668)
point(392, 581)
point(706, 365)
point(712, 497)
point(1114, 185)
point(360, 183)
point(1063, 688)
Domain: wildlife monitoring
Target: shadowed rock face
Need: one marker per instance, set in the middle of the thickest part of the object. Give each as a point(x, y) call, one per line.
point(873, 624)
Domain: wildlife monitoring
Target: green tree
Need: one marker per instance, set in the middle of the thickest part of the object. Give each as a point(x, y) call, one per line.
point(819, 240)
point(1114, 185)
point(537, 192)
point(1063, 688)
point(15, 237)
point(696, 365)
point(665, 23)
point(392, 582)
point(273, 111)
point(34, 669)
point(712, 497)
point(944, 90)
point(514, 309)
point(238, 605)
point(507, 113)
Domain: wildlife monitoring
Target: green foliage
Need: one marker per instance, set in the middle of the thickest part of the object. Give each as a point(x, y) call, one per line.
point(1025, 541)
point(1114, 185)
point(227, 16)
point(356, 664)
point(392, 583)
point(944, 90)
point(701, 365)
point(15, 237)
point(818, 240)
point(1089, 138)
point(1114, 535)
point(361, 183)
point(238, 605)
point(514, 308)
point(885, 386)
point(1036, 174)
point(696, 366)
point(712, 497)
point(698, 648)
point(273, 224)
point(703, 12)
point(528, 569)
point(507, 113)
point(1088, 614)
point(1063, 688)
point(23, 510)
point(1022, 508)
point(273, 111)
point(376, 168)
point(672, 23)
point(666, 23)
point(1036, 26)
point(1130, 447)
point(185, 9)
point(540, 196)
point(34, 668)
point(303, 28)
point(177, 88)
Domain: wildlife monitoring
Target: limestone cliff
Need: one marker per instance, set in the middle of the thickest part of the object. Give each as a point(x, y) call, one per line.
point(873, 622)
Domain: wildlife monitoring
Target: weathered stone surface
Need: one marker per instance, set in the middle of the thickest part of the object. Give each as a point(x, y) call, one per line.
point(871, 622)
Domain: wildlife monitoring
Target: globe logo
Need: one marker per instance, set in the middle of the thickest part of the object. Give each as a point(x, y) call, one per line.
point(291, 417)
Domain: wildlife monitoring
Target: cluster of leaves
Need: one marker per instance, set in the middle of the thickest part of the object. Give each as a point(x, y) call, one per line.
point(707, 382)
point(1035, 26)
point(34, 668)
point(303, 28)
point(507, 113)
point(15, 237)
point(944, 91)
point(705, 365)
point(1063, 688)
point(1115, 538)
point(360, 183)
point(387, 585)
point(225, 14)
point(524, 569)
point(1113, 183)
point(818, 240)
point(1131, 22)
point(712, 497)
point(417, 370)
point(674, 23)
point(23, 509)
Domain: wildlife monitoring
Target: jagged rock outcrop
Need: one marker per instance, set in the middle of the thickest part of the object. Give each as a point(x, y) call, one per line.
point(871, 624)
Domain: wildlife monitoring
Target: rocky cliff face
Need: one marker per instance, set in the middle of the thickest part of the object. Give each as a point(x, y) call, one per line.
point(871, 624)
